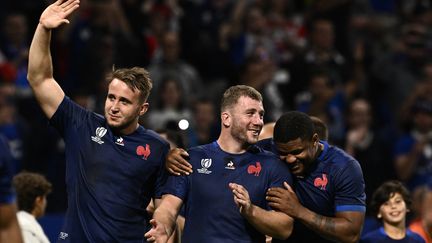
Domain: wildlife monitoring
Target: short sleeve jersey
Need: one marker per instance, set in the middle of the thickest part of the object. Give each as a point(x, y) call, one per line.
point(210, 211)
point(335, 184)
point(110, 179)
point(380, 236)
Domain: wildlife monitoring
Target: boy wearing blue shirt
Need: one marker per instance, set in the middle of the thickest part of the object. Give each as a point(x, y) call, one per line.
point(390, 203)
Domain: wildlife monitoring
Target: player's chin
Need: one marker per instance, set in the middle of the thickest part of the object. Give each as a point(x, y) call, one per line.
point(296, 169)
point(114, 123)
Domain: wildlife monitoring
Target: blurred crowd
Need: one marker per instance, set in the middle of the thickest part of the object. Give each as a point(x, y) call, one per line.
point(362, 66)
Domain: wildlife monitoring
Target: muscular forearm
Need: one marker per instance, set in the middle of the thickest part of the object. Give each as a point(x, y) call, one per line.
point(40, 63)
point(271, 223)
point(337, 229)
point(166, 218)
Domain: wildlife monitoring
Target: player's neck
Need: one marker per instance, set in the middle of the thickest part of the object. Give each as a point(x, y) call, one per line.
point(126, 130)
point(230, 145)
point(396, 232)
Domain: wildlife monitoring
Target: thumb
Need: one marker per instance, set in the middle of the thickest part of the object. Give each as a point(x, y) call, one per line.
point(65, 21)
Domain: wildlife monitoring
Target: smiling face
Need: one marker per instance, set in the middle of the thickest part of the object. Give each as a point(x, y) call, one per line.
point(123, 107)
point(394, 210)
point(246, 120)
point(299, 154)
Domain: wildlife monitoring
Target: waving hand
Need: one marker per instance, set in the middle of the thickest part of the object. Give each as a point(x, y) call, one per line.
point(56, 14)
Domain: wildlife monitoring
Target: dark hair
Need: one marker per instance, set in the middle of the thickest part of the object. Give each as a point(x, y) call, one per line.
point(387, 190)
point(293, 125)
point(320, 128)
point(135, 78)
point(28, 187)
point(233, 93)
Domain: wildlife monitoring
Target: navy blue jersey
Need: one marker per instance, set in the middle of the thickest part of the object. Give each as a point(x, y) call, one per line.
point(380, 236)
point(210, 211)
point(267, 144)
point(110, 179)
point(7, 194)
point(335, 184)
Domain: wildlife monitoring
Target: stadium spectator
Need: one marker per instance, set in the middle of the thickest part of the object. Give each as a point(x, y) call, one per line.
point(171, 64)
point(368, 146)
point(412, 152)
point(32, 190)
point(390, 203)
point(204, 127)
point(171, 105)
point(423, 225)
point(9, 228)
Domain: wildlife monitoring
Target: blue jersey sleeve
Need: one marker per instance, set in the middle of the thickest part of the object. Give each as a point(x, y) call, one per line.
point(177, 186)
point(68, 114)
point(350, 188)
point(280, 173)
point(7, 194)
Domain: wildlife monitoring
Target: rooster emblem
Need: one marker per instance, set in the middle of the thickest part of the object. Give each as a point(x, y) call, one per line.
point(144, 152)
point(321, 183)
point(254, 169)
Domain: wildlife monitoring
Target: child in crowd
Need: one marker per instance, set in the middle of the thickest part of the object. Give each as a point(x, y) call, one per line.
point(390, 203)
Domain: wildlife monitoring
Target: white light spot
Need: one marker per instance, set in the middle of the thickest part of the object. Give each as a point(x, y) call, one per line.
point(183, 124)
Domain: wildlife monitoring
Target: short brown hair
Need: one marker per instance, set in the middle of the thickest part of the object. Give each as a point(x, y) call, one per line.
point(233, 93)
point(28, 187)
point(136, 78)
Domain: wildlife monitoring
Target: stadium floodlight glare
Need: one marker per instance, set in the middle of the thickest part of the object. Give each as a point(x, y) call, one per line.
point(183, 124)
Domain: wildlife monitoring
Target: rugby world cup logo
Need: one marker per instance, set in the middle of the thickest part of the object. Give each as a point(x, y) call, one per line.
point(205, 164)
point(100, 132)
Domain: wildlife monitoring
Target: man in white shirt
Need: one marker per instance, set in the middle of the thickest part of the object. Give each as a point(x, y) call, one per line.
point(32, 190)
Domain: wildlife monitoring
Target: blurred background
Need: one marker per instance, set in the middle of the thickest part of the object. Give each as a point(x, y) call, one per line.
point(362, 66)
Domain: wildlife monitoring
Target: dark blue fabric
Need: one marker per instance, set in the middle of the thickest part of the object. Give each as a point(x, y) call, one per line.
point(109, 179)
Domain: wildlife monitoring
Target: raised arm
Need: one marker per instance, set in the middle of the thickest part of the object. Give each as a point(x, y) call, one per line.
point(275, 224)
point(343, 227)
point(40, 69)
point(164, 219)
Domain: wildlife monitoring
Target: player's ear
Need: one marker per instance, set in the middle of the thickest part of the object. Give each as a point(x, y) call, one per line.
point(315, 139)
point(144, 108)
point(226, 119)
